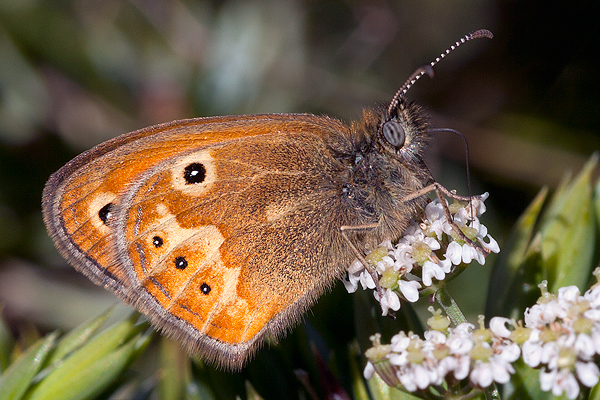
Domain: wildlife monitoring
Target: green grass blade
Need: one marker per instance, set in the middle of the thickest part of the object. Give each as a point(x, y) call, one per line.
point(98, 348)
point(77, 337)
point(510, 274)
point(568, 234)
point(84, 380)
point(7, 343)
point(174, 371)
point(251, 393)
point(17, 378)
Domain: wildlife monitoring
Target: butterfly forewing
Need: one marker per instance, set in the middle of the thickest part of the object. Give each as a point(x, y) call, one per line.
point(214, 229)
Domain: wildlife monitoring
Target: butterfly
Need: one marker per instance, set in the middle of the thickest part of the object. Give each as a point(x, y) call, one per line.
point(223, 230)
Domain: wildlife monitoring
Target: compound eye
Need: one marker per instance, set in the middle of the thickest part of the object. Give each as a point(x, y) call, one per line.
point(393, 133)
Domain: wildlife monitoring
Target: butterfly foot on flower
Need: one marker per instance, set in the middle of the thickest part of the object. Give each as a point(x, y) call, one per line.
point(428, 252)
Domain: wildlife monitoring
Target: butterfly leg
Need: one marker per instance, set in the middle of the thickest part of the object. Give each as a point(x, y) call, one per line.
point(440, 192)
point(359, 255)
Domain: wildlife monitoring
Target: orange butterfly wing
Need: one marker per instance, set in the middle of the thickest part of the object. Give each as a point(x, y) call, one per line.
point(219, 229)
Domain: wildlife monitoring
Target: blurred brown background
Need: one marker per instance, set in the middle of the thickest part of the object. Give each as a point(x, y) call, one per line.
point(75, 73)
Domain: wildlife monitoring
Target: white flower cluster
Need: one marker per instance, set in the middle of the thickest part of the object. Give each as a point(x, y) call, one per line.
point(428, 250)
point(481, 355)
point(565, 339)
point(561, 337)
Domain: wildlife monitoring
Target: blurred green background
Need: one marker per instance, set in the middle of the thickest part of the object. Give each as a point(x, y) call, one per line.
point(76, 73)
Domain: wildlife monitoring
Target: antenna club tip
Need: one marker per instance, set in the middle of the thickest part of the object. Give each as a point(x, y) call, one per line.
point(481, 33)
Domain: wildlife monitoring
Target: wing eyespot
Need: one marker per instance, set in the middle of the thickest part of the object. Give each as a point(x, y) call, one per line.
point(194, 173)
point(181, 263)
point(157, 241)
point(105, 213)
point(205, 288)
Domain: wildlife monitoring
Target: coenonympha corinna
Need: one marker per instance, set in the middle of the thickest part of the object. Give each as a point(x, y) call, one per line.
point(225, 229)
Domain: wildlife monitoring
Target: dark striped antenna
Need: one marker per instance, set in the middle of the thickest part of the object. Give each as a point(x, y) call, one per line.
point(428, 69)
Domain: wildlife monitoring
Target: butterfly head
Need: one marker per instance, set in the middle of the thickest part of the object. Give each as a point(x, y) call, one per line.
point(402, 127)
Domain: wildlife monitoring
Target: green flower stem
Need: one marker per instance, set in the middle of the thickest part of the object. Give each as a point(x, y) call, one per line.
point(450, 307)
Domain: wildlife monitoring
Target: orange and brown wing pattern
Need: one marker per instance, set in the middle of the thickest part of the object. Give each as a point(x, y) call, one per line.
point(212, 227)
point(227, 241)
point(79, 198)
